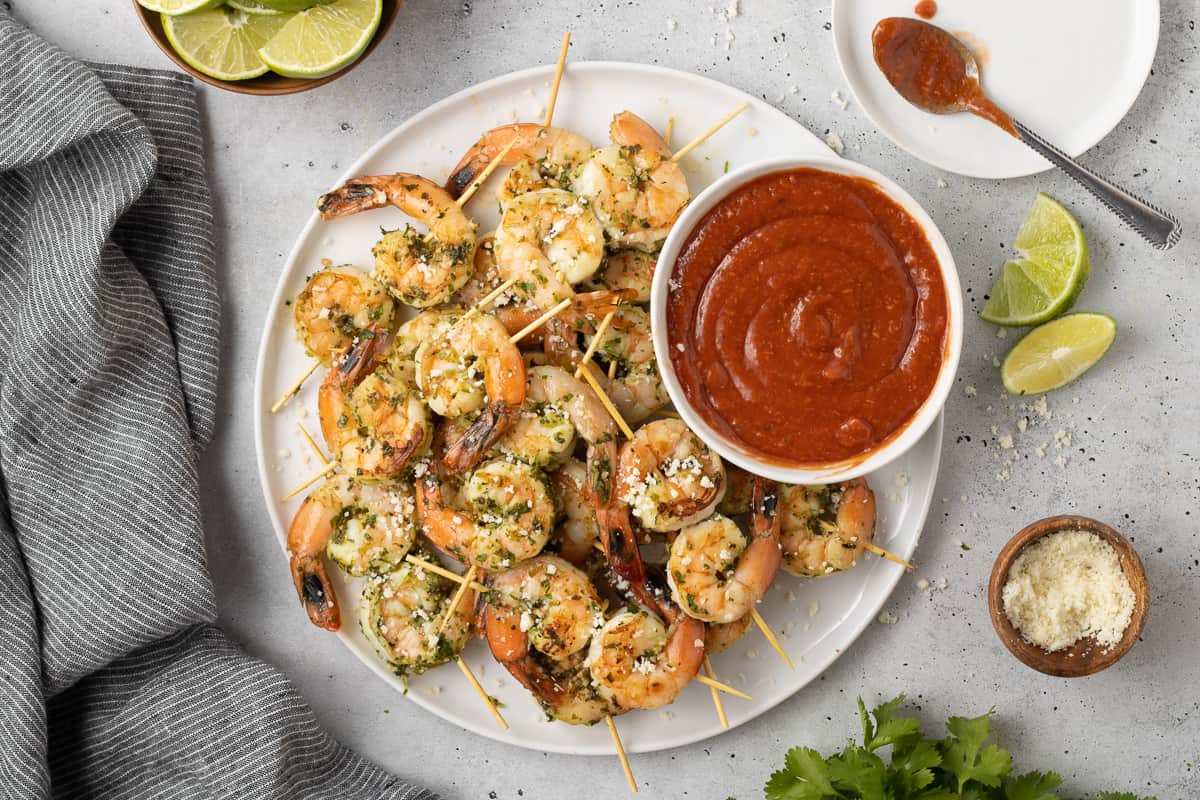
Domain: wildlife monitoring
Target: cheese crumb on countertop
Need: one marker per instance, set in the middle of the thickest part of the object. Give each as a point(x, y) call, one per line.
point(1067, 586)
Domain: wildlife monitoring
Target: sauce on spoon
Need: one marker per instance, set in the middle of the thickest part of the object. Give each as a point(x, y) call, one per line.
point(933, 70)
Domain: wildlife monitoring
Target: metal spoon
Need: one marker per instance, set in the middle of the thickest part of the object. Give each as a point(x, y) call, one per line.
point(1158, 228)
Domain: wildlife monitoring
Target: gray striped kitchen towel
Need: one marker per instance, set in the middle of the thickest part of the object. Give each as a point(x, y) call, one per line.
point(114, 680)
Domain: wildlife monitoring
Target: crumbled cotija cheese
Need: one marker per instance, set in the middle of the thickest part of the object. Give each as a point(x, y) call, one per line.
point(1066, 586)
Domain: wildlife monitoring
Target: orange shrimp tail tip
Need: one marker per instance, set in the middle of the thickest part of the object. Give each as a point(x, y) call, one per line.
point(468, 451)
point(317, 597)
point(764, 506)
point(348, 199)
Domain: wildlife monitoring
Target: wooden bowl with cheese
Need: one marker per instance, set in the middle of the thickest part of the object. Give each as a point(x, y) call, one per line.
point(1066, 606)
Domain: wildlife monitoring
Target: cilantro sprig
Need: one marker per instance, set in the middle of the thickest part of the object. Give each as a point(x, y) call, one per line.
point(962, 766)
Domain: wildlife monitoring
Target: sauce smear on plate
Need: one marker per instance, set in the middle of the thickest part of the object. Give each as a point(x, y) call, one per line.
point(923, 64)
point(807, 317)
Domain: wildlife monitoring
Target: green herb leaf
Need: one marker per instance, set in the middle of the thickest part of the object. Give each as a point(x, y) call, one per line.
point(966, 758)
point(859, 771)
point(1032, 786)
point(887, 729)
point(804, 777)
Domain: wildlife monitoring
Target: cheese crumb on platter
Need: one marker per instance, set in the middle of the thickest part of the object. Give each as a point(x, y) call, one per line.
point(1067, 586)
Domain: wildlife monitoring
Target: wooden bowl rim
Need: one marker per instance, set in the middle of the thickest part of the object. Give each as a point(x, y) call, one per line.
point(270, 84)
point(1062, 663)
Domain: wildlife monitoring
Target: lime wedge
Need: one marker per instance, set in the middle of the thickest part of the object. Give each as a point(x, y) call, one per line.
point(1049, 276)
point(253, 7)
point(223, 42)
point(323, 39)
point(1054, 354)
point(173, 7)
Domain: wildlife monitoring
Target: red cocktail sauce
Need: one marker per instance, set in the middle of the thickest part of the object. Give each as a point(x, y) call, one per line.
point(807, 317)
point(922, 63)
point(926, 9)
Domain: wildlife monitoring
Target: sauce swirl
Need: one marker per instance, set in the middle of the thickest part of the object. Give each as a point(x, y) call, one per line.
point(807, 317)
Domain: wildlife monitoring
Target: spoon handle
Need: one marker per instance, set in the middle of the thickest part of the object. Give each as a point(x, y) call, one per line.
point(1158, 228)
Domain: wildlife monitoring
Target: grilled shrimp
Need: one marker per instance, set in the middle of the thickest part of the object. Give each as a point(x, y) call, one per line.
point(637, 389)
point(401, 611)
point(577, 530)
point(541, 157)
point(513, 312)
point(472, 365)
point(366, 528)
point(626, 269)
point(553, 604)
point(336, 305)
point(506, 515)
point(421, 270)
point(668, 477)
point(371, 414)
point(547, 235)
point(637, 661)
point(563, 688)
point(634, 187)
point(825, 528)
point(716, 572)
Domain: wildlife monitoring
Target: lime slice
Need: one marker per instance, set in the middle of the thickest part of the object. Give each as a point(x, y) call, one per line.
point(323, 39)
point(253, 7)
point(1054, 354)
point(292, 5)
point(173, 7)
point(223, 42)
point(1051, 273)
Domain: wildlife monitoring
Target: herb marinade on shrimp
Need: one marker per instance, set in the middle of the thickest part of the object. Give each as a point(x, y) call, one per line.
point(454, 443)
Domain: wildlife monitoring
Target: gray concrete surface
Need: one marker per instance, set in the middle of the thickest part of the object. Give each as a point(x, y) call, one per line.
point(1134, 421)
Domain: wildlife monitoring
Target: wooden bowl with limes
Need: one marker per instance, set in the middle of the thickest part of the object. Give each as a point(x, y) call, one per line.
point(269, 83)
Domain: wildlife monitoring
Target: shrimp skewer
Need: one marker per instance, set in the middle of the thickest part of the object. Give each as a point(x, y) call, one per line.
point(715, 572)
point(421, 270)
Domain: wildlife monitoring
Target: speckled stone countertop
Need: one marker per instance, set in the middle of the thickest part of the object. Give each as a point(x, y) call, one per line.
point(1121, 445)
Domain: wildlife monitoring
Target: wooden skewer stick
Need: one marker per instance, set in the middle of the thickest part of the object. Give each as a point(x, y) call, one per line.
point(316, 448)
point(438, 569)
point(466, 670)
point(591, 351)
point(490, 298)
point(767, 632)
point(558, 73)
point(716, 695)
point(325, 470)
point(879, 551)
point(612, 730)
point(607, 403)
point(716, 685)
point(694, 143)
point(670, 130)
point(483, 176)
point(465, 584)
point(540, 321)
point(295, 387)
point(612, 369)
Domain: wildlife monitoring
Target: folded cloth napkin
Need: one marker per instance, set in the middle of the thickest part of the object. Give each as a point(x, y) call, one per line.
point(115, 681)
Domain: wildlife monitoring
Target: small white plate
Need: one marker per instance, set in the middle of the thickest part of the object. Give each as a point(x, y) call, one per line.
point(1069, 69)
point(818, 618)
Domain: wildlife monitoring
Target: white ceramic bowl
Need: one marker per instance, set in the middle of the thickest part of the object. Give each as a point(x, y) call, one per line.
point(926, 414)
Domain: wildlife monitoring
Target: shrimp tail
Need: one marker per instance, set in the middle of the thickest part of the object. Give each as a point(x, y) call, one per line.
point(477, 158)
point(357, 194)
point(510, 647)
point(307, 537)
point(469, 450)
point(764, 508)
point(316, 592)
